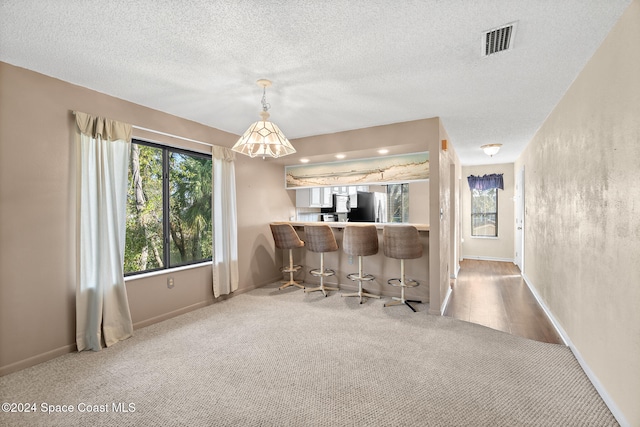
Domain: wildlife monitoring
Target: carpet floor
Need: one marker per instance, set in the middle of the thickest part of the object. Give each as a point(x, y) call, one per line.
point(286, 358)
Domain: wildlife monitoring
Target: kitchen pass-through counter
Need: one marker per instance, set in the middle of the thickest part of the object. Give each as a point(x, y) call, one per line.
point(341, 225)
point(382, 267)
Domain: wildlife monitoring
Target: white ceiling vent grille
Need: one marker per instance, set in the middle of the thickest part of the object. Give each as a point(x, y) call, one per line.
point(498, 40)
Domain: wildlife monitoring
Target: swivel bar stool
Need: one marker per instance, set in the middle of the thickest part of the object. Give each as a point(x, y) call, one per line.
point(286, 237)
point(320, 238)
point(360, 241)
point(402, 242)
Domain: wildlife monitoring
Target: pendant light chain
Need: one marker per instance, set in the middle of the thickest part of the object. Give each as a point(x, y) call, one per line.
point(265, 105)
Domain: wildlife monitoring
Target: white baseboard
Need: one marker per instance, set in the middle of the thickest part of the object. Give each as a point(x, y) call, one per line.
point(488, 258)
point(455, 273)
point(619, 416)
point(446, 301)
point(166, 316)
point(52, 354)
point(37, 359)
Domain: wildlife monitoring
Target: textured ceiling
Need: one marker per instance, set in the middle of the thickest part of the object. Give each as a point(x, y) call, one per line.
point(336, 65)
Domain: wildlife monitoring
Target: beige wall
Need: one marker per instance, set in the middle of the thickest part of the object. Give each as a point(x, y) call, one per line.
point(502, 247)
point(419, 202)
point(444, 212)
point(37, 216)
point(37, 210)
point(406, 137)
point(582, 220)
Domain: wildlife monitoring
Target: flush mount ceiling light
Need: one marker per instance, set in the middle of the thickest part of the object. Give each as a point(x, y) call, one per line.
point(264, 138)
point(491, 149)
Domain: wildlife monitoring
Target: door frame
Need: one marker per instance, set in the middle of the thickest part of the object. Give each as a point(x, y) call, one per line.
point(519, 220)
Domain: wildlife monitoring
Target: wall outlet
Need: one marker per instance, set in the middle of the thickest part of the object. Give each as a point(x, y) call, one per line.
point(350, 259)
point(170, 283)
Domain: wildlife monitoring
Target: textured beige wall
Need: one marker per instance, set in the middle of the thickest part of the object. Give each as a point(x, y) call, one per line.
point(444, 215)
point(502, 247)
point(37, 216)
point(582, 193)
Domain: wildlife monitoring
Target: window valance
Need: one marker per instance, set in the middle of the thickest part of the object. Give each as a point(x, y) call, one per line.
point(486, 182)
point(100, 127)
point(223, 153)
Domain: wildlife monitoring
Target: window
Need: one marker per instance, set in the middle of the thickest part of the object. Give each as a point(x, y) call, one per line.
point(484, 212)
point(168, 208)
point(398, 202)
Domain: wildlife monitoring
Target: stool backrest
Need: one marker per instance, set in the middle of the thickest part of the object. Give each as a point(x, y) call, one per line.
point(360, 240)
point(320, 238)
point(285, 236)
point(401, 242)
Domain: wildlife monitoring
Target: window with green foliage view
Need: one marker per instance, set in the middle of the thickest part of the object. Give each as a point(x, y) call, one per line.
point(398, 202)
point(168, 208)
point(484, 212)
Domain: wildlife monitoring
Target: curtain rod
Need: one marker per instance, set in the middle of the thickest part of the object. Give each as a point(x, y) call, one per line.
point(172, 136)
point(167, 134)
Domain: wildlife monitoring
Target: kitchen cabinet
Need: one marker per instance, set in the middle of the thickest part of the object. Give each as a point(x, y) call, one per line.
point(353, 194)
point(316, 197)
point(320, 197)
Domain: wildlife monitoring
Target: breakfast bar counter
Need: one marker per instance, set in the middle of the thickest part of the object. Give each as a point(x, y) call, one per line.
point(341, 225)
point(380, 266)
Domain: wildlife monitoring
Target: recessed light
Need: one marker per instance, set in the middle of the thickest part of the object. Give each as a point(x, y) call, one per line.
point(340, 156)
point(304, 160)
point(383, 151)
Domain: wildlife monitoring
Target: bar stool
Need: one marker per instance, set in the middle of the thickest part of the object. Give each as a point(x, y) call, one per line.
point(286, 237)
point(402, 242)
point(320, 238)
point(360, 241)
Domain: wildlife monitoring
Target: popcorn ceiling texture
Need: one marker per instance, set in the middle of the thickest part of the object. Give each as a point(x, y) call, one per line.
point(336, 65)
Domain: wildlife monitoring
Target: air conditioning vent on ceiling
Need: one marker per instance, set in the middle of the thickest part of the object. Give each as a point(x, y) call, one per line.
point(498, 40)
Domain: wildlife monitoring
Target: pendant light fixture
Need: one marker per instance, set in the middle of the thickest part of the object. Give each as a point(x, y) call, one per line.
point(491, 149)
point(263, 138)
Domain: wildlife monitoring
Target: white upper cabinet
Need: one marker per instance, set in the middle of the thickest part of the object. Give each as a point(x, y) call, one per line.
point(316, 197)
point(320, 197)
point(353, 194)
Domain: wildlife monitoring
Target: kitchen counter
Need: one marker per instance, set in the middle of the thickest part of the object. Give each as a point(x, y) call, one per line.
point(382, 267)
point(341, 225)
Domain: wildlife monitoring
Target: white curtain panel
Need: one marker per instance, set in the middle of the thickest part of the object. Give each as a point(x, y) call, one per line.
point(102, 308)
point(225, 227)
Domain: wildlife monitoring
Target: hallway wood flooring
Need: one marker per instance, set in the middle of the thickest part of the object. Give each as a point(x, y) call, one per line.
point(494, 294)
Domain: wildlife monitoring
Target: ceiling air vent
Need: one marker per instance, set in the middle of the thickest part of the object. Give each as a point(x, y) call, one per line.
point(498, 40)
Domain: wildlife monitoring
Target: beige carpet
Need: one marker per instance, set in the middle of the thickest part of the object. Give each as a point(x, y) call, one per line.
point(285, 358)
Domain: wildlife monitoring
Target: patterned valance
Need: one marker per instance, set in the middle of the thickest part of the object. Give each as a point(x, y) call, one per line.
point(486, 182)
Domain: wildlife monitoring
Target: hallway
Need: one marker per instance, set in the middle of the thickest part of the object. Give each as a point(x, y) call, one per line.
point(494, 294)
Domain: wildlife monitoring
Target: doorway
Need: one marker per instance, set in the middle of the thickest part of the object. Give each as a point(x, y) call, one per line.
point(454, 221)
point(519, 214)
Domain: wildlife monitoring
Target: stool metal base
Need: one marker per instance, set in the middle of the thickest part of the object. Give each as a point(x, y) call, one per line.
point(408, 283)
point(361, 292)
point(287, 283)
point(400, 301)
point(403, 283)
point(321, 288)
point(291, 282)
point(321, 273)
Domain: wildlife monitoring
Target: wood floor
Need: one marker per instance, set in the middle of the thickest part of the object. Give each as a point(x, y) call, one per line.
point(494, 294)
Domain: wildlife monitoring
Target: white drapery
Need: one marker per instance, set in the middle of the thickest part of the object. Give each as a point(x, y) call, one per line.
point(102, 308)
point(225, 228)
